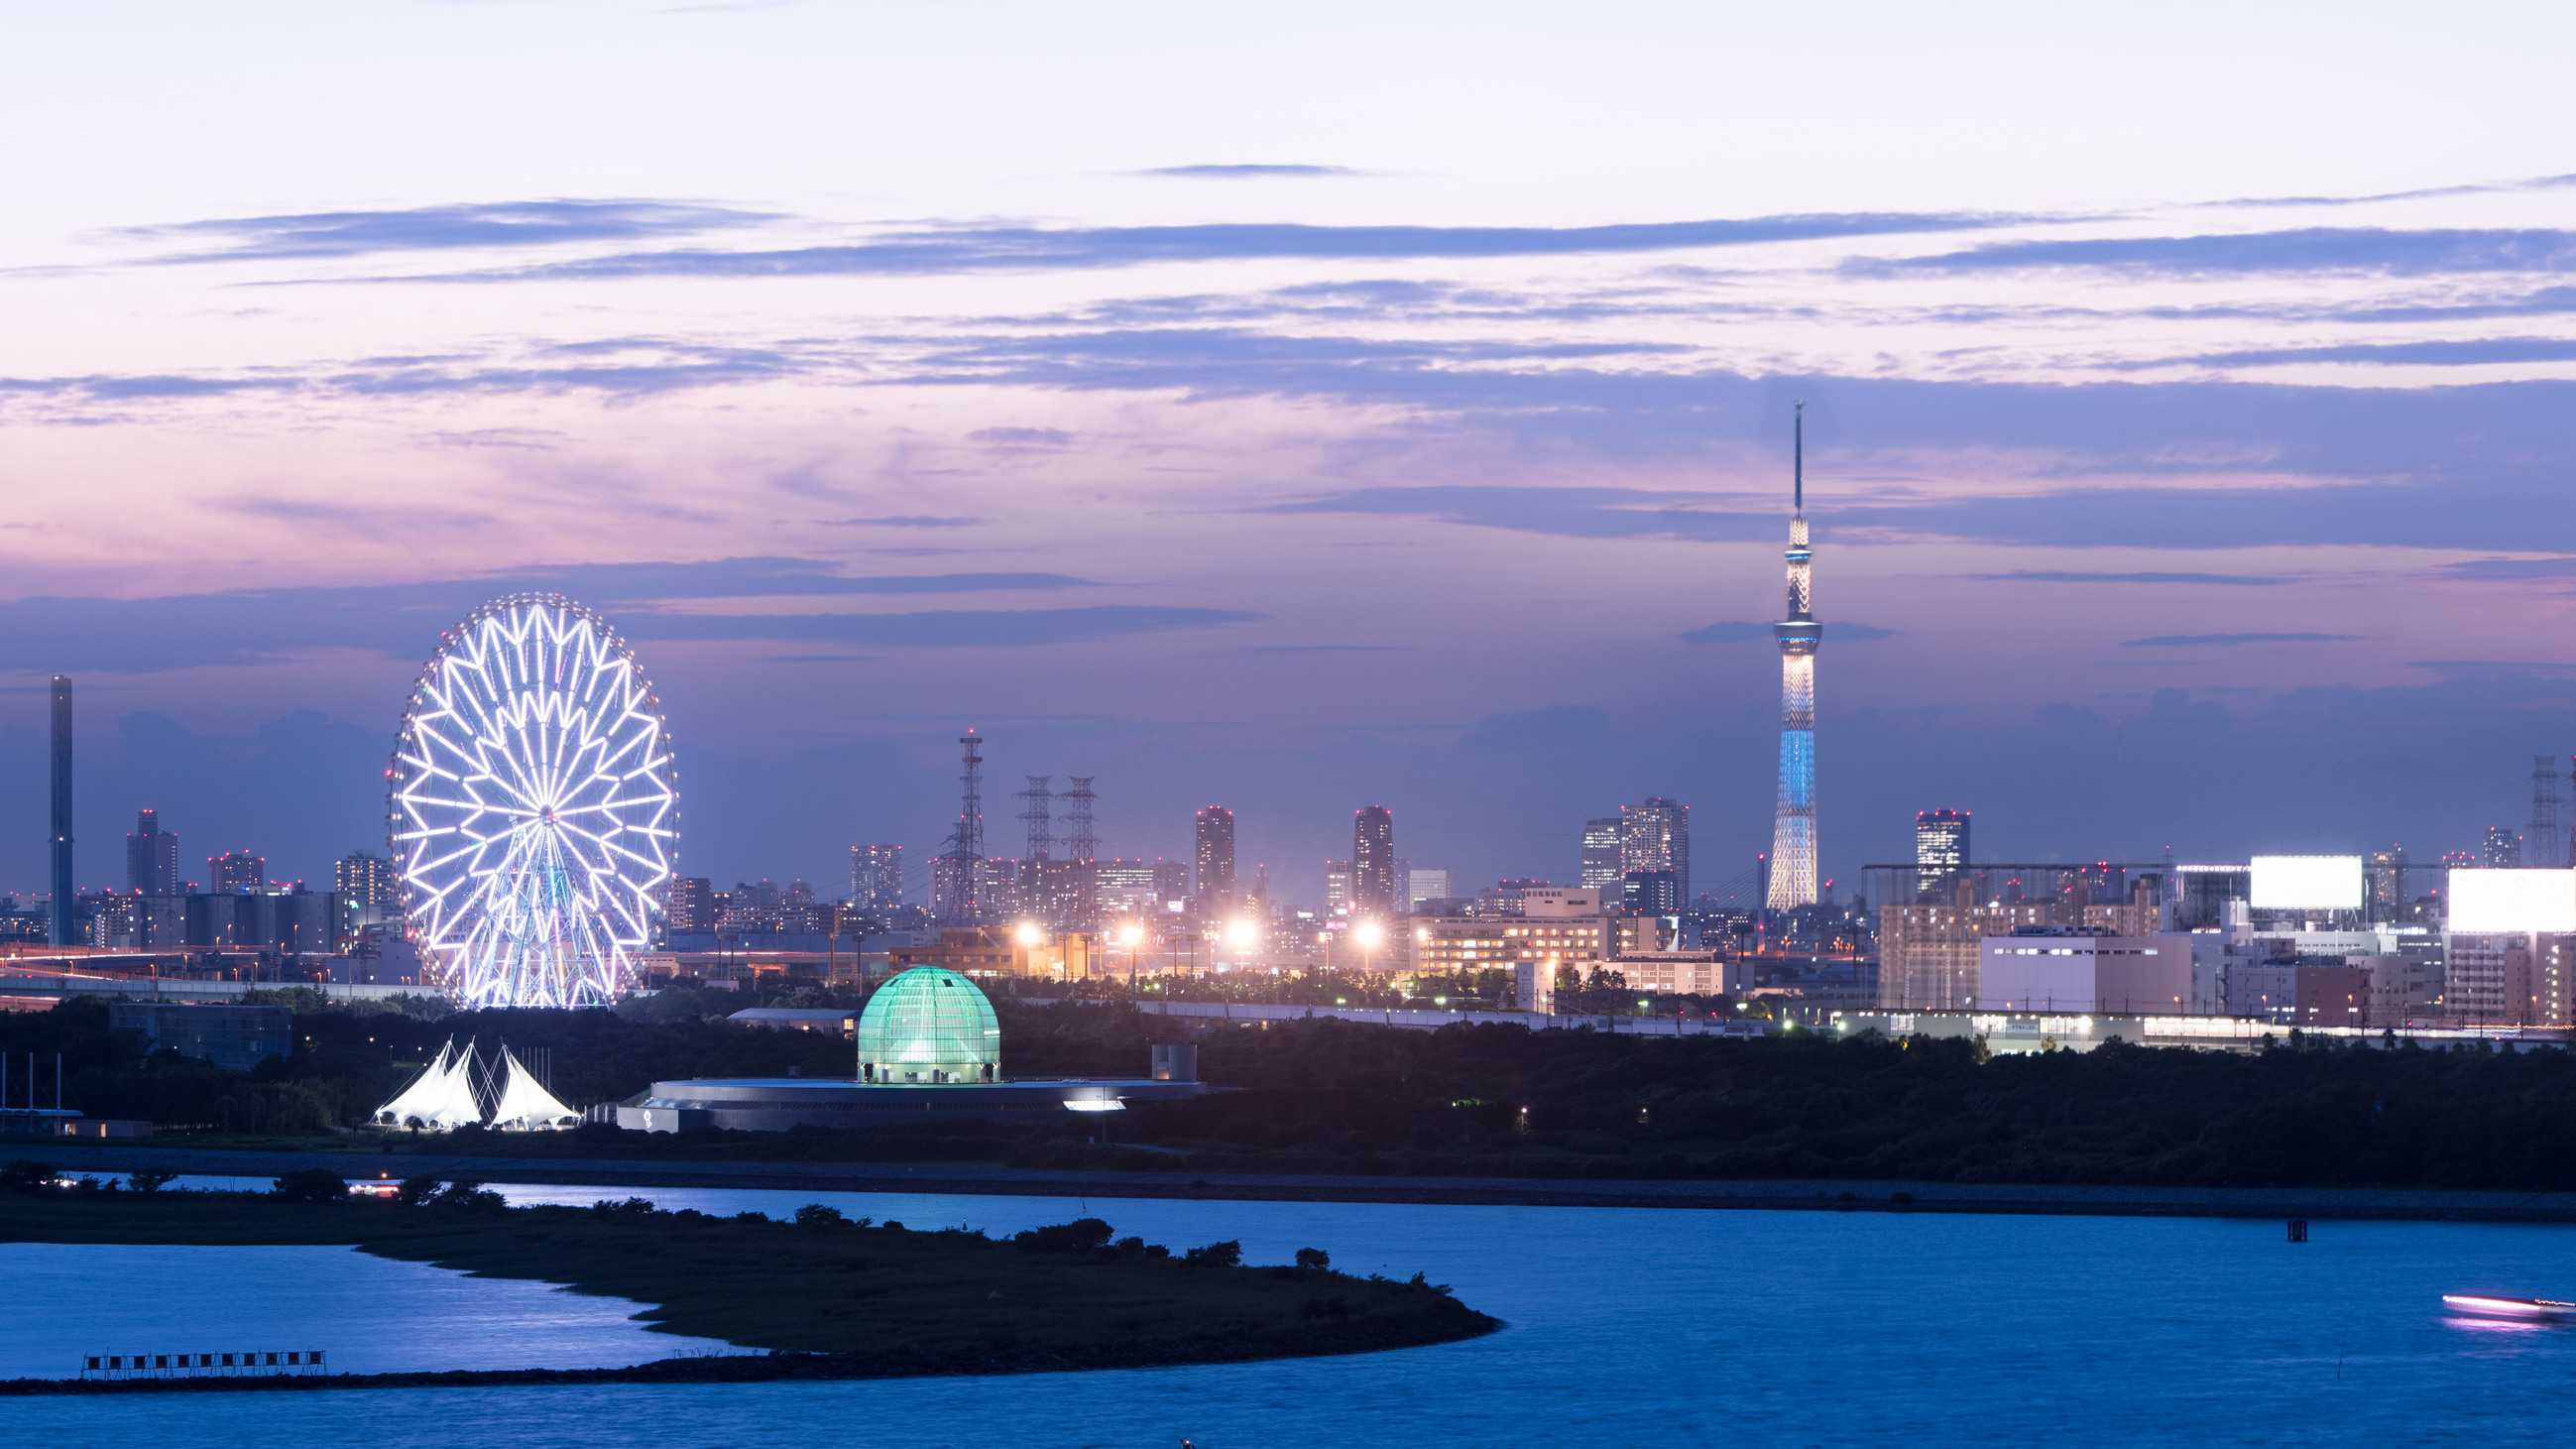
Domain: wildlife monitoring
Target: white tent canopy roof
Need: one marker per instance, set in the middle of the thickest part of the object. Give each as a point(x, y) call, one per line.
point(523, 1102)
point(442, 1096)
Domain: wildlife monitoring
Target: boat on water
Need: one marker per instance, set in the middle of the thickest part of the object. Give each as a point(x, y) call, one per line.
point(2519, 1310)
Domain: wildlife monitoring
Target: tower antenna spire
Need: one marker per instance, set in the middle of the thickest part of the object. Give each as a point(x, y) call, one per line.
point(1798, 459)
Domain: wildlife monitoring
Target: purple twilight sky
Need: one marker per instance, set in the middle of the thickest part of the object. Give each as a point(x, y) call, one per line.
point(1343, 405)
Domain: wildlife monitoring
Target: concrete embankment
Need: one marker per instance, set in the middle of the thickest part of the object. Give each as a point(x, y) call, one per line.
point(1821, 1195)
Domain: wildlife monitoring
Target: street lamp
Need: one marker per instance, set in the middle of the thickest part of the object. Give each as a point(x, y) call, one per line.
point(1368, 934)
point(1130, 935)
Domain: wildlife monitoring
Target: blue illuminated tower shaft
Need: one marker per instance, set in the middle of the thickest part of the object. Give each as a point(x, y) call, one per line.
point(1794, 875)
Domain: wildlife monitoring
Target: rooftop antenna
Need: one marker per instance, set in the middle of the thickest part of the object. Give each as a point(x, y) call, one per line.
point(1798, 457)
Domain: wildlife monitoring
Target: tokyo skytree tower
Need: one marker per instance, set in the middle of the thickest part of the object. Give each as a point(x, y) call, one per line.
point(1793, 828)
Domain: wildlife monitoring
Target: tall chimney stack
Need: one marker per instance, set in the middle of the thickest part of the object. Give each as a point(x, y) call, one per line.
point(65, 918)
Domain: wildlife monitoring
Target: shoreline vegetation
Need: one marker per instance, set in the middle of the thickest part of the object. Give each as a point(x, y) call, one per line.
point(1338, 1100)
point(826, 1297)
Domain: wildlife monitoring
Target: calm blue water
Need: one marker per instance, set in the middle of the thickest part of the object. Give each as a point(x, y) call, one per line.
point(1648, 1326)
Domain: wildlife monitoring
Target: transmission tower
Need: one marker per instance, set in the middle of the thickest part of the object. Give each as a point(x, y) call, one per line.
point(1039, 816)
point(1080, 843)
point(2544, 845)
point(1081, 849)
point(957, 876)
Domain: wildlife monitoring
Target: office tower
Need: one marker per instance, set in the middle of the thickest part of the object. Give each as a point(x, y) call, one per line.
point(1793, 830)
point(1373, 884)
point(63, 919)
point(1601, 867)
point(957, 875)
point(876, 877)
point(2502, 849)
point(2386, 872)
point(1655, 836)
point(2540, 847)
point(1171, 882)
point(1215, 858)
point(1650, 893)
point(1337, 887)
point(151, 857)
point(363, 880)
point(1426, 884)
point(1940, 847)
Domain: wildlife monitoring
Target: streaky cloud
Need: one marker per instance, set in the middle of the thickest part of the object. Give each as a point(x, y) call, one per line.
point(937, 629)
point(1022, 248)
point(1735, 631)
point(2063, 576)
point(2467, 353)
point(403, 620)
point(1247, 172)
point(2307, 250)
point(438, 228)
point(908, 520)
point(2167, 641)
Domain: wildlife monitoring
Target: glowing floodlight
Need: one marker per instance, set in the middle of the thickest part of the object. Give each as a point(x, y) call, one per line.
point(2307, 883)
point(1030, 935)
point(2513, 900)
point(1242, 932)
point(534, 810)
point(1130, 934)
point(1368, 934)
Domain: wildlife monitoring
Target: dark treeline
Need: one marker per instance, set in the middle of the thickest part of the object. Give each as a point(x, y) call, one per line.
point(1504, 1101)
point(346, 1062)
point(1342, 1097)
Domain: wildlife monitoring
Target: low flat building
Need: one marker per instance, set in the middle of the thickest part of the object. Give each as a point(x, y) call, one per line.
point(1681, 973)
point(783, 1018)
point(2071, 973)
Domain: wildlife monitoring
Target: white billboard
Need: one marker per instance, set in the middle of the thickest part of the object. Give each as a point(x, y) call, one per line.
point(2307, 883)
point(2513, 900)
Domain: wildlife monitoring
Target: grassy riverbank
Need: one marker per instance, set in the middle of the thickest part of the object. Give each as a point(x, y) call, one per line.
point(877, 1300)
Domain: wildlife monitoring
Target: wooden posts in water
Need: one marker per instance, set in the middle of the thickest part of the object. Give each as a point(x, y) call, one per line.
point(2298, 1230)
point(197, 1365)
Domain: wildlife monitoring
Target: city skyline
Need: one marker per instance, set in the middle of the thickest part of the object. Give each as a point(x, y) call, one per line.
point(1312, 457)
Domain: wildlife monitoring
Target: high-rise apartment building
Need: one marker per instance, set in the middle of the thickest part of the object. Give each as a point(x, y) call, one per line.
point(2501, 850)
point(1215, 858)
point(1373, 882)
point(876, 877)
point(365, 880)
point(1940, 847)
point(1930, 952)
point(1425, 884)
point(237, 872)
point(689, 905)
point(1337, 887)
point(151, 857)
point(1601, 867)
point(1655, 836)
point(1794, 873)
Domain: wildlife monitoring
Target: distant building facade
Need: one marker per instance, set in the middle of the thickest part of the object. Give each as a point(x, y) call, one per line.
point(1656, 836)
point(236, 871)
point(151, 857)
point(1373, 864)
point(876, 877)
point(1215, 859)
point(1601, 866)
point(1940, 848)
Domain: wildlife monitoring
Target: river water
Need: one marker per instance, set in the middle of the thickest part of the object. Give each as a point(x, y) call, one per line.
point(1627, 1326)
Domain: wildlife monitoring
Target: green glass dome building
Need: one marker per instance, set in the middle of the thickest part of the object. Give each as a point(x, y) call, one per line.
point(927, 1027)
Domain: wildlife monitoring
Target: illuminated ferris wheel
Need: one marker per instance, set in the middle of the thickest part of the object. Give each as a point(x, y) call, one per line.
point(534, 809)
